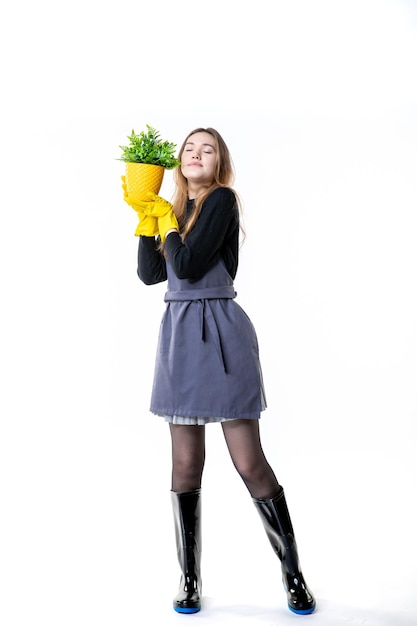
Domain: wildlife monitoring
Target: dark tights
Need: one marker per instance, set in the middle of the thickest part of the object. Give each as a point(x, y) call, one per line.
point(244, 445)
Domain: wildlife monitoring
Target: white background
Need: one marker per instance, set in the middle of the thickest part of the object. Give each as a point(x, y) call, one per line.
point(317, 102)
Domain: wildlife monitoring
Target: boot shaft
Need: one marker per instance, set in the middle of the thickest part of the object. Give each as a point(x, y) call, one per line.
point(187, 522)
point(279, 529)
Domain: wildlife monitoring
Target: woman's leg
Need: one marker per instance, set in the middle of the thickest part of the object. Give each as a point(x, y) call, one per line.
point(188, 452)
point(243, 441)
point(188, 455)
point(244, 445)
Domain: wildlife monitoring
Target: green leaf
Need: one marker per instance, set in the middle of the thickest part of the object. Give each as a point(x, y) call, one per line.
point(148, 147)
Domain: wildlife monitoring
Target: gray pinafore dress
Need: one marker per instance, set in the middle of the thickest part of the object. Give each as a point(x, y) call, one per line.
point(207, 364)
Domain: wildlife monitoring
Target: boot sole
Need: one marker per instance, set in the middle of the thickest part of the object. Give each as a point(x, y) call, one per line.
point(180, 610)
point(302, 611)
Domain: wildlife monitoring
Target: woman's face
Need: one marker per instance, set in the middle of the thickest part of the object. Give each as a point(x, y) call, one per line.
point(198, 160)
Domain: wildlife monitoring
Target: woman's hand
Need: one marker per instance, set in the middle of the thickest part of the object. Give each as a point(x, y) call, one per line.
point(148, 225)
point(157, 207)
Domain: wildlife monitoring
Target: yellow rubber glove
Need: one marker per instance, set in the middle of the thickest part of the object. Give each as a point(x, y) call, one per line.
point(148, 225)
point(125, 192)
point(167, 223)
point(162, 210)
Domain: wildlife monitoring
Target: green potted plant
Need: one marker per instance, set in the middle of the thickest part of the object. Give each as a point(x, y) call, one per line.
point(147, 157)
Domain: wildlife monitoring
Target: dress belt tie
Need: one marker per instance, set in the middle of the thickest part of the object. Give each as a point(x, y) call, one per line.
point(208, 323)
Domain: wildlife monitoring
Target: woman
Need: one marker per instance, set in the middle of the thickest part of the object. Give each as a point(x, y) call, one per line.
point(207, 365)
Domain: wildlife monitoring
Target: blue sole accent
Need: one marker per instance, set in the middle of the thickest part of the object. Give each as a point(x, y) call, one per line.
point(303, 611)
point(180, 610)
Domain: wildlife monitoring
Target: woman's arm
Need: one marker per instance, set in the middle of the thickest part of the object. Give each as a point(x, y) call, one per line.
point(151, 264)
point(191, 257)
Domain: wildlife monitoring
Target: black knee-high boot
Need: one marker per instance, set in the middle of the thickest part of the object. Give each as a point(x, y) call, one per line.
point(187, 518)
point(277, 522)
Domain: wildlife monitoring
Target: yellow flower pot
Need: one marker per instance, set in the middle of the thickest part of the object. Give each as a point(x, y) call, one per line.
point(142, 178)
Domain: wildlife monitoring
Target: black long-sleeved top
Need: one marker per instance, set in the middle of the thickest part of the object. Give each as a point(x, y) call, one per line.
point(216, 230)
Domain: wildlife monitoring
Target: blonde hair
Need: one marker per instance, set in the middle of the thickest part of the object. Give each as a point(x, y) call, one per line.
point(224, 176)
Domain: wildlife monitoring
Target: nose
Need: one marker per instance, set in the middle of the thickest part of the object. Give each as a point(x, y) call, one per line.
point(196, 156)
